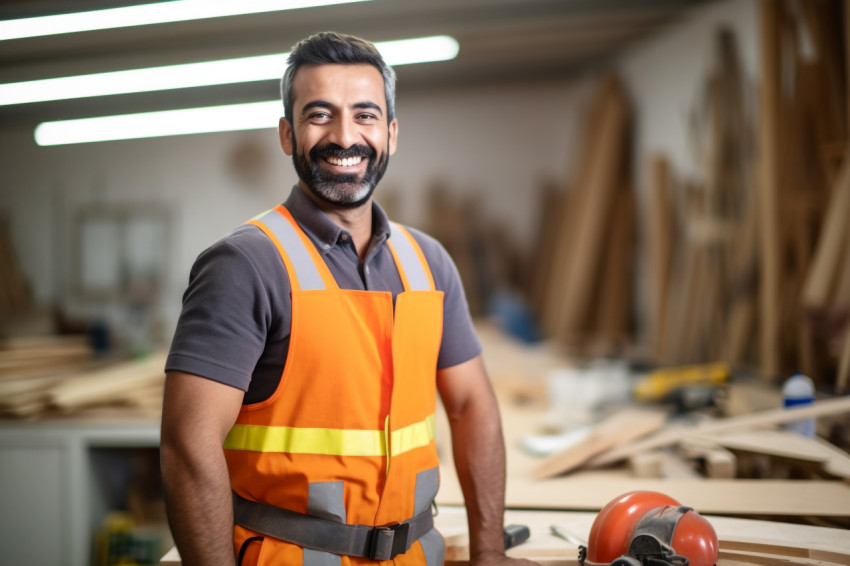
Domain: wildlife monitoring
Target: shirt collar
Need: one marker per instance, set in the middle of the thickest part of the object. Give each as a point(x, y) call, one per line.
point(322, 229)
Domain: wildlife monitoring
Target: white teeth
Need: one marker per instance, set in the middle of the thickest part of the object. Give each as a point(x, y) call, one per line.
point(347, 162)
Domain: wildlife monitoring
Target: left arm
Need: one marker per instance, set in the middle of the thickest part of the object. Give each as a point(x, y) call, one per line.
point(479, 454)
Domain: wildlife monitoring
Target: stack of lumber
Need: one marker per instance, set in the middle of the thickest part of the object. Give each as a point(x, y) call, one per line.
point(38, 356)
point(750, 263)
point(61, 379)
point(803, 141)
point(702, 245)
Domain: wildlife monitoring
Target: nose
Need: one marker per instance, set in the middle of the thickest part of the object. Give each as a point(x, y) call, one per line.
point(343, 133)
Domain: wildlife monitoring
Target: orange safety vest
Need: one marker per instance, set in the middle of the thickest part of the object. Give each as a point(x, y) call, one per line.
point(348, 435)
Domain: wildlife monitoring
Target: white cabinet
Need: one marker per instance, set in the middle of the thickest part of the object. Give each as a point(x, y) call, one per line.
point(57, 483)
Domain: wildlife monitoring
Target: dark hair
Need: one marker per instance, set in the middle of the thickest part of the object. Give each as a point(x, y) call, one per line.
point(331, 47)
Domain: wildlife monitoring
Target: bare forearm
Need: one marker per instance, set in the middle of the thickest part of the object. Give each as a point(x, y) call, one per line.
point(199, 504)
point(479, 454)
point(196, 415)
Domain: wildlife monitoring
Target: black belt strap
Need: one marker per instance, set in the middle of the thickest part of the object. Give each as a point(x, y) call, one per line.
point(374, 543)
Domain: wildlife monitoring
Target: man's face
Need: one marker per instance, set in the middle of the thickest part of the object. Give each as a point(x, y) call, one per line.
point(339, 138)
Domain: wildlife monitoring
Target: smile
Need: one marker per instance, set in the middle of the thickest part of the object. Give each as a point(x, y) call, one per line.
point(344, 162)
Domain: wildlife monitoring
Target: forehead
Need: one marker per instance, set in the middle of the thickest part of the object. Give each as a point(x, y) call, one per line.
point(342, 85)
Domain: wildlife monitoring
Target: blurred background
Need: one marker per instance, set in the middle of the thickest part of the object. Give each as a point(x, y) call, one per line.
point(660, 182)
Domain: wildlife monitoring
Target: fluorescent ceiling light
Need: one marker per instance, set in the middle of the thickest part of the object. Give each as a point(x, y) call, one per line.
point(226, 71)
point(146, 14)
point(251, 116)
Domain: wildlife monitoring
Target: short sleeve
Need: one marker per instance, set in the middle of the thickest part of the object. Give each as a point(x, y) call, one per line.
point(222, 329)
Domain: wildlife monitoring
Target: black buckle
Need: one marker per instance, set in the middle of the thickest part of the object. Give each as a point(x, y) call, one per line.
point(389, 541)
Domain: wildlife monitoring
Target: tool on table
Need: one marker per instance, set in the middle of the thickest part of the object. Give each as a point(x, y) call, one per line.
point(515, 534)
point(560, 531)
point(689, 387)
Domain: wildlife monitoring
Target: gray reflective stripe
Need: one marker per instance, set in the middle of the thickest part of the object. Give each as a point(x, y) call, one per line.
point(325, 500)
point(312, 557)
point(305, 270)
point(427, 484)
point(416, 276)
point(434, 547)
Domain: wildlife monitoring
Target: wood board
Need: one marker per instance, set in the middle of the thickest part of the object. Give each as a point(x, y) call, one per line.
point(768, 194)
point(620, 428)
point(590, 490)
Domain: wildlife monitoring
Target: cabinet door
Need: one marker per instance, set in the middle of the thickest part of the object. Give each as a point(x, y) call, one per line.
point(33, 506)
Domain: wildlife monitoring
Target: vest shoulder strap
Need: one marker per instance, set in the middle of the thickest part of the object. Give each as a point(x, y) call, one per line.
point(412, 266)
point(307, 270)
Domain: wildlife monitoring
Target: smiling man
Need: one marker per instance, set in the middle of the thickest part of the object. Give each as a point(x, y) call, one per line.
point(298, 419)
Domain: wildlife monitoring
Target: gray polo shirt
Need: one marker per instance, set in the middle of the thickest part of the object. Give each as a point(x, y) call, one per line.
point(235, 323)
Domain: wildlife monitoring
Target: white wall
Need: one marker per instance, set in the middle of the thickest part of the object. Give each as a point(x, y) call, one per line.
point(667, 74)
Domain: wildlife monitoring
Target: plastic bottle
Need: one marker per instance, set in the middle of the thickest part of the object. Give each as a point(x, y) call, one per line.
point(799, 391)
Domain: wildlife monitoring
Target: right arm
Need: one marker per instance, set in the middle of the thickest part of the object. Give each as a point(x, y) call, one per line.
point(197, 414)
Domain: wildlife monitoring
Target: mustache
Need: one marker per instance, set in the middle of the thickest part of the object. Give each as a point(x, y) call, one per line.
point(333, 150)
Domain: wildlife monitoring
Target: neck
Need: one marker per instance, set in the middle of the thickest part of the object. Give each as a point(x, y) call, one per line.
point(356, 221)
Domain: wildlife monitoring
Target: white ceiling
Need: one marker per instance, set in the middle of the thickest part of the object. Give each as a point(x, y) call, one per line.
point(500, 41)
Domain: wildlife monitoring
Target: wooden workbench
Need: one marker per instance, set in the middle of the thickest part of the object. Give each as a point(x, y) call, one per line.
point(803, 544)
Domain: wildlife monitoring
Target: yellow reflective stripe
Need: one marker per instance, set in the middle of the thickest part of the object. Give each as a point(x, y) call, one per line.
point(328, 441)
point(413, 436)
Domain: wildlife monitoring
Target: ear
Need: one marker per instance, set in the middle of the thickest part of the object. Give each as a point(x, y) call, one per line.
point(393, 136)
point(284, 130)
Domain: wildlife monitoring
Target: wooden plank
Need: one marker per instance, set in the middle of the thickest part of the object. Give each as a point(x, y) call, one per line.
point(621, 427)
point(553, 208)
point(762, 419)
point(759, 559)
point(829, 553)
point(592, 489)
point(768, 194)
point(742, 292)
point(844, 366)
point(661, 227)
point(613, 301)
point(605, 173)
point(832, 247)
point(846, 6)
point(14, 293)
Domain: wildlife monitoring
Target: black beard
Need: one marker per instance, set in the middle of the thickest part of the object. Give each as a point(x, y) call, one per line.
point(345, 191)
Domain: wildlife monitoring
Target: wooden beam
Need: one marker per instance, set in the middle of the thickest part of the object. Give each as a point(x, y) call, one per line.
point(768, 194)
point(832, 247)
point(661, 228)
point(605, 175)
point(844, 366)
